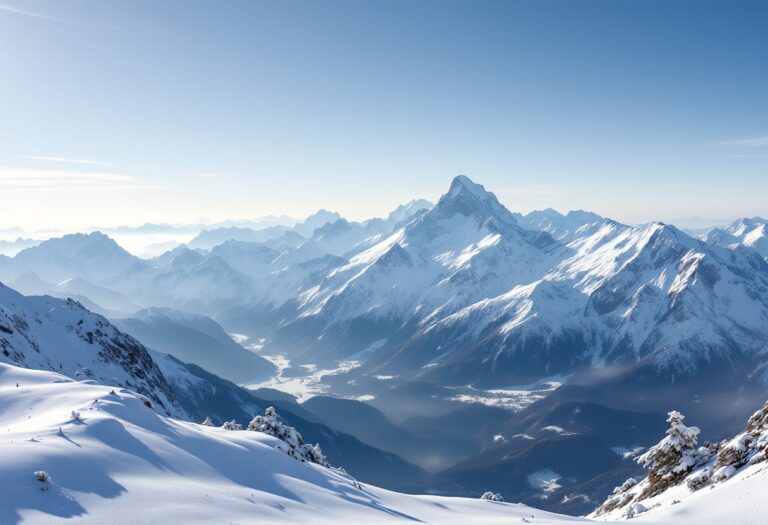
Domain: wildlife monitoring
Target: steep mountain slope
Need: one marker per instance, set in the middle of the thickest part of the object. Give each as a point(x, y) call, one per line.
point(53, 334)
point(196, 339)
point(749, 232)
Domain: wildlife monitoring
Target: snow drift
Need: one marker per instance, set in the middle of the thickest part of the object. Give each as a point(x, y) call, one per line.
point(120, 462)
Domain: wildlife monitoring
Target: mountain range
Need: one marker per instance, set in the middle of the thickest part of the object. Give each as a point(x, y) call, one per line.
point(467, 333)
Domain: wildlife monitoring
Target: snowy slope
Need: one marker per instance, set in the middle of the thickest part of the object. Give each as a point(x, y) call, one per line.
point(738, 501)
point(42, 332)
point(725, 481)
point(123, 463)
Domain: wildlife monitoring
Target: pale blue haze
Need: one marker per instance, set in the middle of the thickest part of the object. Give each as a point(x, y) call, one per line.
point(638, 110)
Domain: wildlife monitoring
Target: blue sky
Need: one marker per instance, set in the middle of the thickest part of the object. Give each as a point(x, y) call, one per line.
point(127, 112)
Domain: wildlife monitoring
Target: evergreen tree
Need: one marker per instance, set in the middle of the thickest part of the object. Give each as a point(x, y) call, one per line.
point(232, 425)
point(492, 496)
point(669, 461)
point(293, 444)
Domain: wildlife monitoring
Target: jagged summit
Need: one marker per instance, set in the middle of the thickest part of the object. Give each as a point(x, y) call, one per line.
point(464, 183)
point(469, 199)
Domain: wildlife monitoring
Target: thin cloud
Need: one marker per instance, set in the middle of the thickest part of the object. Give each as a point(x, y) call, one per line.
point(753, 141)
point(23, 12)
point(22, 180)
point(68, 161)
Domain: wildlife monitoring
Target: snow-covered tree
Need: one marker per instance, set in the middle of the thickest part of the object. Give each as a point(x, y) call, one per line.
point(492, 496)
point(208, 422)
point(751, 446)
point(670, 460)
point(677, 459)
point(232, 425)
point(293, 443)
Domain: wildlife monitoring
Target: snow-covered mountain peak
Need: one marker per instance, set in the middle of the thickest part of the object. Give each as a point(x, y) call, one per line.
point(750, 232)
point(743, 225)
point(93, 256)
point(467, 198)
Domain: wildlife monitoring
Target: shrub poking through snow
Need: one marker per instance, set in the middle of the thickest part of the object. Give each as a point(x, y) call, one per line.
point(231, 425)
point(492, 496)
point(700, 479)
point(292, 442)
point(76, 416)
point(631, 482)
point(43, 477)
point(208, 422)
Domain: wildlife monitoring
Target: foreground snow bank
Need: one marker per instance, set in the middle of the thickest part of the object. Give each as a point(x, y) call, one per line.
point(87, 453)
point(119, 462)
